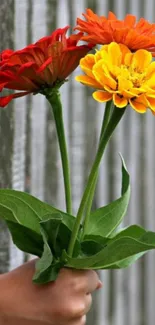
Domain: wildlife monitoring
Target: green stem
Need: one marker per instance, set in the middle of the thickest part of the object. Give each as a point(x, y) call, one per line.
point(54, 100)
point(114, 120)
point(107, 114)
point(106, 118)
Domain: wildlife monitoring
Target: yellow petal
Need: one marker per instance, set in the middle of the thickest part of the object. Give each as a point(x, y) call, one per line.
point(128, 59)
point(141, 60)
point(150, 70)
point(119, 101)
point(139, 104)
point(151, 82)
point(101, 55)
point(109, 90)
point(104, 47)
point(87, 63)
point(88, 81)
point(124, 84)
point(114, 71)
point(102, 75)
point(129, 93)
point(115, 54)
point(102, 96)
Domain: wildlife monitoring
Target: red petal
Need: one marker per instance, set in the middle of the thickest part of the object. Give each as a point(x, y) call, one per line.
point(26, 65)
point(7, 99)
point(6, 54)
point(44, 65)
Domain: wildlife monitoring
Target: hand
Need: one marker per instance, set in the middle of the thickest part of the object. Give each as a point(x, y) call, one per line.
point(63, 302)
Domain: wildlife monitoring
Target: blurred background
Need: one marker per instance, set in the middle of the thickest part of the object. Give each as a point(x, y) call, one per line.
point(30, 161)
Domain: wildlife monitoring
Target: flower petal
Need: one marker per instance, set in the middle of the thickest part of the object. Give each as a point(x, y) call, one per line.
point(45, 65)
point(4, 101)
point(151, 101)
point(88, 81)
point(87, 64)
point(120, 101)
point(102, 96)
point(139, 104)
point(115, 54)
point(141, 60)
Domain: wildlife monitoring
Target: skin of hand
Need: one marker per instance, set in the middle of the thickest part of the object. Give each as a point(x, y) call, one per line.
point(65, 301)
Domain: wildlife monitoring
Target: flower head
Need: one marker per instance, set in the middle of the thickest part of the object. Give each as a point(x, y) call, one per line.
point(41, 65)
point(121, 76)
point(102, 30)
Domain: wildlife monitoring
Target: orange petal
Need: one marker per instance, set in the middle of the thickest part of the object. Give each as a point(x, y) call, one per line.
point(151, 102)
point(87, 64)
point(124, 50)
point(128, 59)
point(88, 81)
point(139, 104)
point(130, 20)
point(102, 96)
point(119, 101)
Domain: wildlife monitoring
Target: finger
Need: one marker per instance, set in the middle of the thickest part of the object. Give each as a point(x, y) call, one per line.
point(93, 281)
point(78, 321)
point(88, 303)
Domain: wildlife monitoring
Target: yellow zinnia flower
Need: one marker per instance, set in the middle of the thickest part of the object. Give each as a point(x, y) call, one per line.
point(120, 75)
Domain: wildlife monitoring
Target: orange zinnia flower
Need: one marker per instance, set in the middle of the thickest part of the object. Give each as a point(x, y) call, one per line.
point(102, 30)
point(40, 66)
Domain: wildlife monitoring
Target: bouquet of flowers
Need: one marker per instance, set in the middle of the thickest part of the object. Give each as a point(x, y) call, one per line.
point(122, 72)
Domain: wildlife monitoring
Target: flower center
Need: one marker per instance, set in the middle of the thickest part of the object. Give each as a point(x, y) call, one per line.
point(135, 75)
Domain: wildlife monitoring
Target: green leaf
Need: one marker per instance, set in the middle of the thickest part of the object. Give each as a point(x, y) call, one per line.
point(103, 221)
point(51, 227)
point(114, 253)
point(133, 231)
point(49, 275)
point(25, 209)
point(44, 263)
point(26, 239)
point(59, 233)
point(93, 244)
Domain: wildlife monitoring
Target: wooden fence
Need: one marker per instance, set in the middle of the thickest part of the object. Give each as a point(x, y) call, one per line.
point(29, 158)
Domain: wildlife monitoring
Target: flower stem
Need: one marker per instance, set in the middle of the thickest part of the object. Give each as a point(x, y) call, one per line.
point(106, 118)
point(114, 120)
point(54, 99)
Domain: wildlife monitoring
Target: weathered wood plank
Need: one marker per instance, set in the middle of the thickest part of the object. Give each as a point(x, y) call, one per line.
point(6, 128)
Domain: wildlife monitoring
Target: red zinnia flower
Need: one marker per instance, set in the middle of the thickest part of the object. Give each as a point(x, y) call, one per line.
point(102, 30)
point(42, 65)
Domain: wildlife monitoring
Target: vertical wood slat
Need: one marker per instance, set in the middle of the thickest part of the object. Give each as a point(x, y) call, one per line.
point(6, 128)
point(38, 115)
point(51, 159)
point(62, 21)
point(18, 163)
point(119, 276)
point(149, 10)
point(76, 132)
point(102, 199)
point(134, 308)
